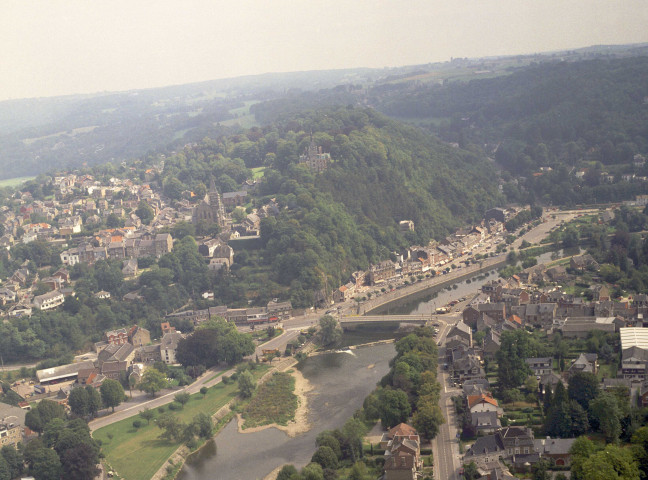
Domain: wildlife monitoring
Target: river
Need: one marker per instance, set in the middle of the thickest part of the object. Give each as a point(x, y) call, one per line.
point(340, 381)
point(428, 301)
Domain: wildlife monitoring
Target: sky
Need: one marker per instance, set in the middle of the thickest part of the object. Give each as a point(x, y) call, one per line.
point(60, 47)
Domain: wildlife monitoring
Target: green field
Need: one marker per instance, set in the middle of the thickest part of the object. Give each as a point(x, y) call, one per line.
point(136, 454)
point(14, 182)
point(258, 172)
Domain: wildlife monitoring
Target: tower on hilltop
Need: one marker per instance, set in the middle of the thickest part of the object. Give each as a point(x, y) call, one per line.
point(314, 158)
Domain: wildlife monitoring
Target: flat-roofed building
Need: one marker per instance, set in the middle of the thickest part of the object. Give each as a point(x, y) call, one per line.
point(63, 372)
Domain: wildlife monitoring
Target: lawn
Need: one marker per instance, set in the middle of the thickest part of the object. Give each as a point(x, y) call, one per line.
point(136, 454)
point(274, 402)
point(15, 182)
point(258, 172)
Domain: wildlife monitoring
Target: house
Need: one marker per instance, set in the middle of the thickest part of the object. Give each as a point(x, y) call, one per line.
point(491, 344)
point(49, 300)
point(540, 365)
point(139, 336)
point(406, 226)
point(129, 268)
point(168, 347)
point(233, 199)
point(557, 273)
point(167, 328)
point(476, 386)
point(380, 272)
point(555, 449)
point(586, 363)
point(467, 366)
point(102, 294)
point(399, 432)
point(461, 330)
point(402, 453)
point(483, 402)
point(584, 262)
point(471, 316)
point(540, 315)
point(116, 337)
point(281, 310)
point(485, 422)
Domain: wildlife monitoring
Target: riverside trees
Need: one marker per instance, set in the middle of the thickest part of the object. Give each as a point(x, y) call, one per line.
point(216, 342)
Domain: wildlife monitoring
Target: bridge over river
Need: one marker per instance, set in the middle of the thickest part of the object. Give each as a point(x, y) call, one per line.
point(352, 320)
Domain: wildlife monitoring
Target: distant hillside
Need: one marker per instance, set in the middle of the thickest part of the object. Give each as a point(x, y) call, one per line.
point(346, 217)
point(543, 115)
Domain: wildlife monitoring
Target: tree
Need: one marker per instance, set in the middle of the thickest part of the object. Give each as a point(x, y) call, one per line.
point(286, 472)
point(94, 400)
point(80, 462)
point(46, 465)
point(112, 393)
point(52, 432)
point(330, 331)
point(78, 401)
point(605, 412)
point(611, 463)
point(14, 459)
point(427, 419)
point(5, 470)
point(172, 426)
point(203, 425)
point(393, 407)
point(152, 381)
point(326, 457)
point(583, 387)
point(312, 471)
point(144, 212)
point(203, 391)
point(512, 369)
point(44, 412)
point(470, 471)
point(246, 384)
point(579, 419)
point(182, 398)
point(147, 414)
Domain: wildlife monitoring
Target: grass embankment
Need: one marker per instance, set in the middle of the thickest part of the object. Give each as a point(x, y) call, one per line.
point(273, 402)
point(136, 454)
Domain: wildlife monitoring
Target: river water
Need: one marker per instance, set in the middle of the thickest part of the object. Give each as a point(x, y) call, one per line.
point(427, 302)
point(340, 381)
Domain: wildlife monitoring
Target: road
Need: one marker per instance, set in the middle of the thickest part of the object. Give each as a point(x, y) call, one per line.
point(445, 446)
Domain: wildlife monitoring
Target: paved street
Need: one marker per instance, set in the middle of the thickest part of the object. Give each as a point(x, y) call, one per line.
point(445, 446)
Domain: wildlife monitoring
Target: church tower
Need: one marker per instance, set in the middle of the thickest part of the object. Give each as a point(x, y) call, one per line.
point(210, 209)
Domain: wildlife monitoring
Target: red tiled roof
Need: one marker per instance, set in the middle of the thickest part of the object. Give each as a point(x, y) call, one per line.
point(476, 399)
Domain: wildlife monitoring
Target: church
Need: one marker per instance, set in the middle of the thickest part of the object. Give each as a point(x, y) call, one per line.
point(210, 209)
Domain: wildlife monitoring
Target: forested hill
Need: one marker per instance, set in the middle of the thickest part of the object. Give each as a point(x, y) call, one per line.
point(546, 115)
point(340, 220)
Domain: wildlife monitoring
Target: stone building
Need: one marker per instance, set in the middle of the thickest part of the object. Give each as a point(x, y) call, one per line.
point(210, 209)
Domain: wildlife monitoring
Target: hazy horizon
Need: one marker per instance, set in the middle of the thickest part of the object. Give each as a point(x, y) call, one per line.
point(67, 47)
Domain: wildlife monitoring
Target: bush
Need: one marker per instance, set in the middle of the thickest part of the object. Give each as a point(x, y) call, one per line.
point(162, 409)
point(137, 423)
point(174, 406)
